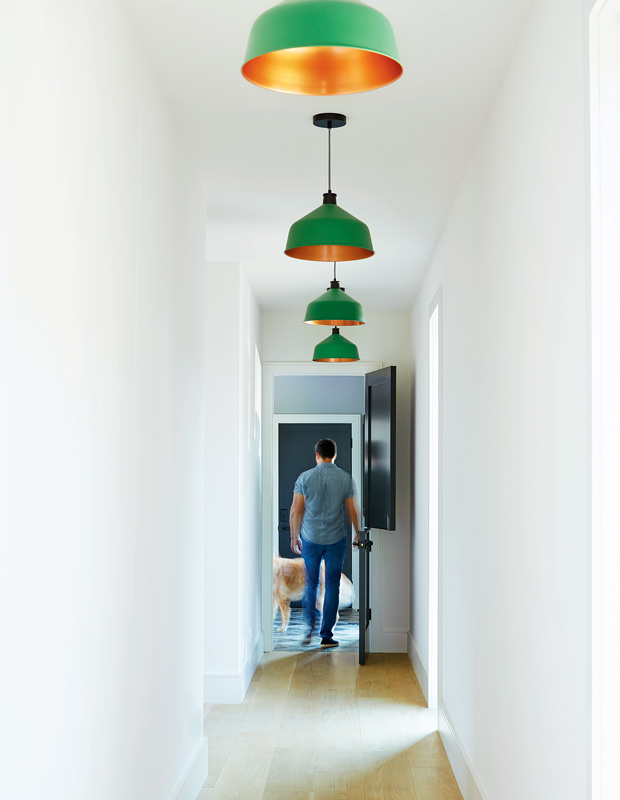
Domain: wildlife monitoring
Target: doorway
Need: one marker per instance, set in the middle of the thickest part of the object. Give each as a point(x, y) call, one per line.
point(272, 371)
point(294, 440)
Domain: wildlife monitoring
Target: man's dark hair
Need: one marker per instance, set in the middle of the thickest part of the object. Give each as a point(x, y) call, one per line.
point(326, 448)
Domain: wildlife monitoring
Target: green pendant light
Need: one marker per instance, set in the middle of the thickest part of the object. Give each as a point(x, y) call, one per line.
point(334, 307)
point(321, 47)
point(336, 349)
point(329, 233)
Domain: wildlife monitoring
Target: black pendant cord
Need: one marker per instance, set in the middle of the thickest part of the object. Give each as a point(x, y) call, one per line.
point(335, 284)
point(329, 158)
point(329, 121)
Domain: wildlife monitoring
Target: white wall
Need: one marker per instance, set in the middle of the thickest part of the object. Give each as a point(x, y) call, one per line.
point(385, 338)
point(233, 633)
point(605, 184)
point(513, 263)
point(101, 417)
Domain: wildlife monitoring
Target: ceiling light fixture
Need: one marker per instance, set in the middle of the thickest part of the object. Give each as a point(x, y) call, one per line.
point(329, 233)
point(321, 47)
point(336, 349)
point(334, 307)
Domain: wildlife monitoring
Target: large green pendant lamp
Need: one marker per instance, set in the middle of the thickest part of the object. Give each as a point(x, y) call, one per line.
point(329, 233)
point(336, 349)
point(321, 47)
point(334, 307)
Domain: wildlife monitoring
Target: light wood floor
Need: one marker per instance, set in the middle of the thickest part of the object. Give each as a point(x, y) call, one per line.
point(317, 726)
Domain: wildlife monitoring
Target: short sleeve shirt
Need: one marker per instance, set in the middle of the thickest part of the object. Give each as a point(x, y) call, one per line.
point(325, 489)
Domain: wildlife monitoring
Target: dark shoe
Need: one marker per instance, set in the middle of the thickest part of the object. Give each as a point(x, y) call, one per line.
point(329, 643)
point(307, 640)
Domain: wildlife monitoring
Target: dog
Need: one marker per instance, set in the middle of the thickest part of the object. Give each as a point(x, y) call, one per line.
point(289, 580)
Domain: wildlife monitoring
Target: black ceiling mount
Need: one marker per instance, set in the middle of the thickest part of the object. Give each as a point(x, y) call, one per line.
point(329, 120)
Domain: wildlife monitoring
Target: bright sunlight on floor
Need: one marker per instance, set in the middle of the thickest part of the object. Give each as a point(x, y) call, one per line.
point(316, 726)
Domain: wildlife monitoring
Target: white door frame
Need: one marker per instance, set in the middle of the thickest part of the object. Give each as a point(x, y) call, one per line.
point(605, 397)
point(435, 501)
point(269, 514)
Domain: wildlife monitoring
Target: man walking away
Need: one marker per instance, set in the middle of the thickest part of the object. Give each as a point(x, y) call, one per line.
point(323, 509)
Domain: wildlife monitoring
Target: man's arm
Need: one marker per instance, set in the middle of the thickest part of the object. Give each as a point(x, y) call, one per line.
point(353, 517)
point(295, 518)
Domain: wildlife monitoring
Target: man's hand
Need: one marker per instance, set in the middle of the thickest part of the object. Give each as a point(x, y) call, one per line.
point(296, 545)
point(353, 518)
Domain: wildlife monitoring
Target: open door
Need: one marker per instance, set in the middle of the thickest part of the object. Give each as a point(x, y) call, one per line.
point(379, 511)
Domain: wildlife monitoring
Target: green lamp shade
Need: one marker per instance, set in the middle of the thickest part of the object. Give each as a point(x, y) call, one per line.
point(334, 307)
point(321, 47)
point(336, 348)
point(329, 233)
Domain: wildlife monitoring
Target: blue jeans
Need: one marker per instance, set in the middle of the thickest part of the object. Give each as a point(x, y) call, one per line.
point(312, 555)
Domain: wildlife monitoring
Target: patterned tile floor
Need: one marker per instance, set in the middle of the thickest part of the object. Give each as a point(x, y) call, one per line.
point(346, 632)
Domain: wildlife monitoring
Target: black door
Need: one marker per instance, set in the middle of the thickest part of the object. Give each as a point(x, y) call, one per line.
point(296, 442)
point(364, 546)
point(379, 480)
point(380, 450)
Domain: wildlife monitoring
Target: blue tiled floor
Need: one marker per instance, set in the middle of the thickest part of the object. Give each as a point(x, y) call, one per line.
point(346, 631)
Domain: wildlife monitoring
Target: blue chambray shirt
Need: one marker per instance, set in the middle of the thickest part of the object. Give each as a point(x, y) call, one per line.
point(325, 489)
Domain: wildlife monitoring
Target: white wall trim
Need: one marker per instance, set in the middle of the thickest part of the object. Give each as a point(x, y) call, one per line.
point(224, 688)
point(392, 641)
point(604, 610)
point(467, 778)
point(253, 661)
point(231, 687)
point(194, 775)
point(435, 518)
point(418, 665)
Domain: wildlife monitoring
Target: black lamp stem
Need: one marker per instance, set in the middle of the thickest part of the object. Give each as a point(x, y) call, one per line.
point(329, 158)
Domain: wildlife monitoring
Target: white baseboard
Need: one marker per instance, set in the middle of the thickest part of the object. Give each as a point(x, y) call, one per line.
point(255, 656)
point(194, 775)
point(417, 664)
point(224, 688)
point(466, 776)
point(232, 687)
point(389, 641)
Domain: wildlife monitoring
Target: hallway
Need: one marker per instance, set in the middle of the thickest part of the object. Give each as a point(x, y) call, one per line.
point(146, 308)
point(316, 726)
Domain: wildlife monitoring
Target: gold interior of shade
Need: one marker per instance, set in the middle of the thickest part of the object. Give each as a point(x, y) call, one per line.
point(337, 323)
point(329, 252)
point(322, 70)
point(334, 360)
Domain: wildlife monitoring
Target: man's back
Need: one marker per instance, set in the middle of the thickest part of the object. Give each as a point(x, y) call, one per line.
point(325, 489)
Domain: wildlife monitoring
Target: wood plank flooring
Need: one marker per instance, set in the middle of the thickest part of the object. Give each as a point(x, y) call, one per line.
point(317, 726)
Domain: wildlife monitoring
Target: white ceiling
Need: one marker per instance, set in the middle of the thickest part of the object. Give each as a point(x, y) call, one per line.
point(396, 165)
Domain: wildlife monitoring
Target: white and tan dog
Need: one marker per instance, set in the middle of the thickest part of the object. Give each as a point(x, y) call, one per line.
point(289, 579)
